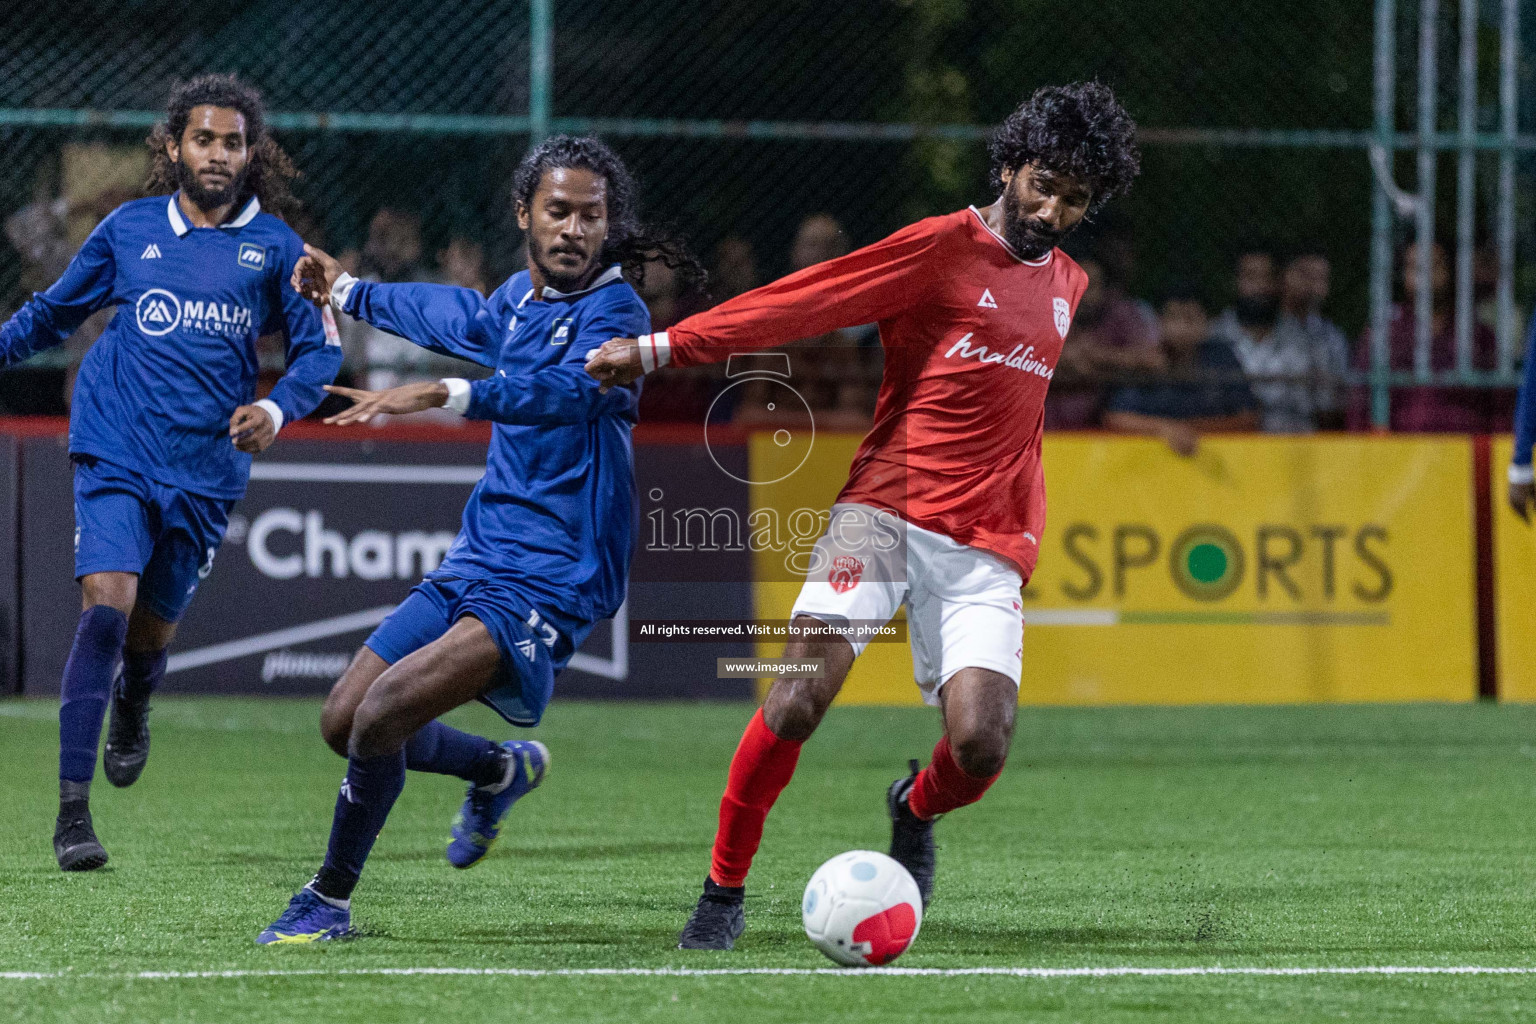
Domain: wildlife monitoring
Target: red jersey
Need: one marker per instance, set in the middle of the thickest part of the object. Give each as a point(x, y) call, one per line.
point(971, 332)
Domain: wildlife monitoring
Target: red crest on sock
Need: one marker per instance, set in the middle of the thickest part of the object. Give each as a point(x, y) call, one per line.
point(846, 570)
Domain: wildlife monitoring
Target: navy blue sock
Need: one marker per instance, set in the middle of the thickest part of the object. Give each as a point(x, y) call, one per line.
point(447, 751)
point(142, 672)
point(367, 794)
point(87, 685)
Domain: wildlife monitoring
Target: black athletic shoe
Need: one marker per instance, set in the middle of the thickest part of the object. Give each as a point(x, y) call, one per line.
point(127, 739)
point(911, 836)
point(717, 921)
point(74, 841)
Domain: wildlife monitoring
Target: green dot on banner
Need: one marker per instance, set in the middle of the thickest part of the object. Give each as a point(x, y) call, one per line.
point(1207, 562)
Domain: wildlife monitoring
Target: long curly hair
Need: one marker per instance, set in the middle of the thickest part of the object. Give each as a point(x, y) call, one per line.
point(630, 243)
point(269, 172)
point(1079, 130)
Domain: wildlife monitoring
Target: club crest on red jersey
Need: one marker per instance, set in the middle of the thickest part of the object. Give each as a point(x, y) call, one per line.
point(1063, 316)
point(845, 574)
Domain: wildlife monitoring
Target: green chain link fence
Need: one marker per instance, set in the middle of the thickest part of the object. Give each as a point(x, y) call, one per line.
point(744, 117)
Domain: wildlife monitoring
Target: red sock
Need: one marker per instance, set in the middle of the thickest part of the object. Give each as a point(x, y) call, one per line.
point(759, 772)
point(943, 786)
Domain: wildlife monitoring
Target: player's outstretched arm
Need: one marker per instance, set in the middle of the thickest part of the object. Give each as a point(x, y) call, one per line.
point(400, 401)
point(441, 318)
point(871, 284)
point(51, 316)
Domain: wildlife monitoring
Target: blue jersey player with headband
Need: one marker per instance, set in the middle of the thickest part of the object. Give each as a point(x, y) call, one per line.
point(547, 534)
point(163, 423)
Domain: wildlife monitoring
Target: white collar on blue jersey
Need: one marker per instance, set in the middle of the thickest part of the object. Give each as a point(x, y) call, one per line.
point(180, 226)
point(607, 277)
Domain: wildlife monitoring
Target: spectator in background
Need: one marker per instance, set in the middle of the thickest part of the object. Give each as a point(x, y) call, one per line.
point(1112, 336)
point(393, 253)
point(1203, 389)
point(659, 292)
point(819, 238)
point(1295, 359)
point(1251, 318)
point(462, 262)
point(1433, 409)
point(735, 269)
point(1485, 296)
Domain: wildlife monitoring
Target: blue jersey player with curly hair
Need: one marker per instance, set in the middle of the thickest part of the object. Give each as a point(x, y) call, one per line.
point(164, 419)
point(547, 534)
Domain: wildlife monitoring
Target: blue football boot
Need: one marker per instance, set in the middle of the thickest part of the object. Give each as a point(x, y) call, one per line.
point(307, 919)
point(479, 820)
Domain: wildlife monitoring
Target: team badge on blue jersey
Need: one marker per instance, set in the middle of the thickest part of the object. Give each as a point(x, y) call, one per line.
point(560, 330)
point(252, 256)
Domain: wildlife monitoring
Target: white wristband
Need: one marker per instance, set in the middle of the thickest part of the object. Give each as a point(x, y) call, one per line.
point(273, 411)
point(341, 289)
point(458, 394)
point(655, 351)
point(1519, 474)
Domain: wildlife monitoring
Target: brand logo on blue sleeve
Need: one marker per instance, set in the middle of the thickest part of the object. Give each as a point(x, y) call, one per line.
point(252, 256)
point(561, 330)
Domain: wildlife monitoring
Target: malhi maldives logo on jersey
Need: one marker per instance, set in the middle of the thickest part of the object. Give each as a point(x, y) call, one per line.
point(159, 312)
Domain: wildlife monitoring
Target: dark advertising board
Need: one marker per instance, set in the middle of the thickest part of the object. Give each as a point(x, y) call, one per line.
point(331, 535)
point(10, 583)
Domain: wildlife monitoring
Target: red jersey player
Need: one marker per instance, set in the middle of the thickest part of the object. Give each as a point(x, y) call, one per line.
point(945, 501)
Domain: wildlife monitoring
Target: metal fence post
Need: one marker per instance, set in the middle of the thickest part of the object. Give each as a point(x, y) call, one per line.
point(541, 46)
point(1466, 183)
point(1424, 231)
point(1381, 210)
point(1508, 57)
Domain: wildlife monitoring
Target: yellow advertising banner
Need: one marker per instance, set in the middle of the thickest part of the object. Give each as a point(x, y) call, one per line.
point(1514, 574)
point(1260, 570)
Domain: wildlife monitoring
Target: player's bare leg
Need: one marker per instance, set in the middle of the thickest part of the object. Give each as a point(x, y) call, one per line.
point(761, 768)
point(979, 706)
point(447, 673)
point(349, 691)
point(144, 662)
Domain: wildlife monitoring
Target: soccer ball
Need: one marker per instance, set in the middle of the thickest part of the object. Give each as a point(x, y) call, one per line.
point(862, 909)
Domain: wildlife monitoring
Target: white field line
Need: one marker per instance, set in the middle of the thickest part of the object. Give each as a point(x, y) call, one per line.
point(707, 972)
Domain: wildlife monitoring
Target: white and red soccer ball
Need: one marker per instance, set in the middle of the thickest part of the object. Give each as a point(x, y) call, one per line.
point(862, 909)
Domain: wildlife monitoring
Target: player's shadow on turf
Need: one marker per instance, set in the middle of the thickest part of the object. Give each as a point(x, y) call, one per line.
point(969, 937)
point(539, 934)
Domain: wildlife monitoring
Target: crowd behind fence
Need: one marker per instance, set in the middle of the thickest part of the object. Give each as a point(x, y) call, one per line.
point(774, 133)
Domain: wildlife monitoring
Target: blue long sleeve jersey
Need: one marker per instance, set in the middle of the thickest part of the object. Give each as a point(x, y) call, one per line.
point(1525, 408)
point(156, 391)
point(555, 511)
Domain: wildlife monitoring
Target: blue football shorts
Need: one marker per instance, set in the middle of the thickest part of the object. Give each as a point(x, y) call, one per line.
point(125, 522)
point(534, 647)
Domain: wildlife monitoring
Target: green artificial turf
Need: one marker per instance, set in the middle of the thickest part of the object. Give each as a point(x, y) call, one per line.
point(1274, 837)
